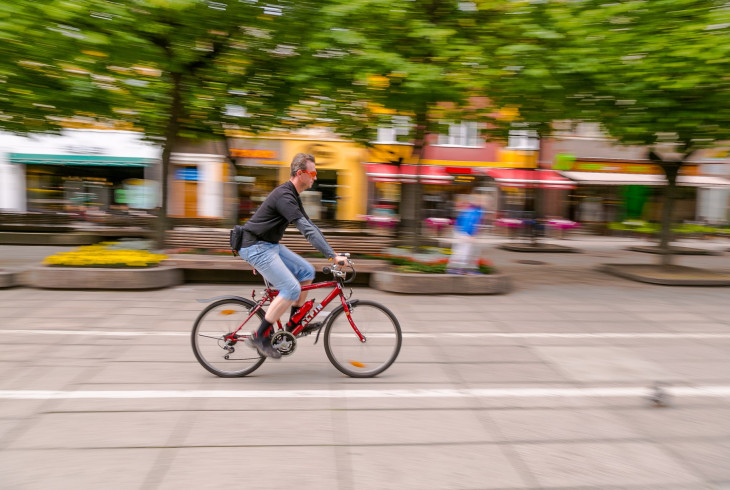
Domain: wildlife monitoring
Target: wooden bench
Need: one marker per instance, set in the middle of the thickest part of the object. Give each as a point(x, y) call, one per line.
point(218, 239)
point(222, 262)
point(27, 219)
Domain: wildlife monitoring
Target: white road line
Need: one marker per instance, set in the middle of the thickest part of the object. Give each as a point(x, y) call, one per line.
point(514, 335)
point(679, 391)
point(100, 333)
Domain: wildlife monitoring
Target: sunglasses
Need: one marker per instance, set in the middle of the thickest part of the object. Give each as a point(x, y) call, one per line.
point(312, 173)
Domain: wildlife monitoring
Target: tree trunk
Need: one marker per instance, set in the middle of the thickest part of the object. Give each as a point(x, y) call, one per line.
point(671, 169)
point(173, 125)
point(230, 211)
point(409, 229)
point(535, 189)
point(418, 147)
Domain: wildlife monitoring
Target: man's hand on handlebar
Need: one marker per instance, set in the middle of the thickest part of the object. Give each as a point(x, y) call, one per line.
point(341, 259)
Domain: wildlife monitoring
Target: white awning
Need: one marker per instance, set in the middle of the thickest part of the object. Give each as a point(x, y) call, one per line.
point(610, 178)
point(705, 181)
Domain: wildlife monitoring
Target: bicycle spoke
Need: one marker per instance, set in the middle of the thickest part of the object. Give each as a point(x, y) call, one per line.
point(213, 342)
point(355, 358)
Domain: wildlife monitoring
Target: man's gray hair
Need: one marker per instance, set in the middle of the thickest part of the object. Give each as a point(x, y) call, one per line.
point(300, 162)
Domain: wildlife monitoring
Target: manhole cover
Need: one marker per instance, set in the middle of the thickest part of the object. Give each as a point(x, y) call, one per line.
point(531, 262)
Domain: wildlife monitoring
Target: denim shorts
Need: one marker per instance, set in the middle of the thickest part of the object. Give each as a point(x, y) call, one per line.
point(280, 266)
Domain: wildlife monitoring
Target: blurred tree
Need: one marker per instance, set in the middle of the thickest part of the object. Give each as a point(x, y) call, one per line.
point(173, 69)
point(376, 59)
point(653, 73)
point(38, 88)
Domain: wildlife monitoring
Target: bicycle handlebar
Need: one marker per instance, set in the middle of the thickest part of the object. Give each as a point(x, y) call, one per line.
point(337, 270)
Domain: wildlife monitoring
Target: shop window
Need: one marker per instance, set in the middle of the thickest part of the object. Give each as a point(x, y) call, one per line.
point(589, 130)
point(396, 132)
point(465, 133)
point(523, 139)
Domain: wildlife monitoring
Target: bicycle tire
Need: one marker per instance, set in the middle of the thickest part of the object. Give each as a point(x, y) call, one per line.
point(214, 322)
point(363, 359)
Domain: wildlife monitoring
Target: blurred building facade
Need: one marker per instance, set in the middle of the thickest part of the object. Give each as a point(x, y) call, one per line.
point(616, 183)
point(578, 175)
point(76, 171)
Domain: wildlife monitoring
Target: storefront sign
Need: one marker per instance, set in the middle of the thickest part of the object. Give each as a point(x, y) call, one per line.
point(620, 167)
point(187, 173)
point(252, 153)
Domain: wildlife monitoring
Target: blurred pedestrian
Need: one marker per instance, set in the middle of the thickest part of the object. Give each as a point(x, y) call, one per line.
point(463, 258)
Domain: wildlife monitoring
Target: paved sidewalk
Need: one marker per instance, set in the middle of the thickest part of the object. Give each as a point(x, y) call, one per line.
point(593, 251)
point(546, 387)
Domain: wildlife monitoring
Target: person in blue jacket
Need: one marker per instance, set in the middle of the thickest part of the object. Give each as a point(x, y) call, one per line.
point(463, 260)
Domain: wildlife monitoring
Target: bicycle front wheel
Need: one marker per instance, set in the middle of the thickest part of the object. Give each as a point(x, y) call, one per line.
point(214, 346)
point(368, 358)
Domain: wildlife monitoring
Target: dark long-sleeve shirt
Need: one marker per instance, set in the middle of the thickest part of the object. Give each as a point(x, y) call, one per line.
point(280, 208)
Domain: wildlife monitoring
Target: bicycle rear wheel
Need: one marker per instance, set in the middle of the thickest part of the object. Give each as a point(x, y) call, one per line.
point(382, 344)
point(213, 346)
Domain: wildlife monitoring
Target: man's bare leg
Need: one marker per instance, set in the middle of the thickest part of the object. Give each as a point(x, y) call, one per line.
point(277, 308)
point(279, 305)
point(303, 295)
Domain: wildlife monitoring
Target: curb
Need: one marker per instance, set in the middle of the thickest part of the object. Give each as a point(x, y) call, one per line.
point(43, 238)
point(101, 278)
point(8, 279)
point(676, 276)
point(400, 282)
point(538, 248)
point(674, 250)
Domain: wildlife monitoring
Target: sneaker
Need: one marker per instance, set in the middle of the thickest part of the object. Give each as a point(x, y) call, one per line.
point(263, 346)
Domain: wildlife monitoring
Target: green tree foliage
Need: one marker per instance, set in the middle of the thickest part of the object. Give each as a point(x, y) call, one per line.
point(183, 68)
point(377, 58)
point(653, 73)
point(38, 88)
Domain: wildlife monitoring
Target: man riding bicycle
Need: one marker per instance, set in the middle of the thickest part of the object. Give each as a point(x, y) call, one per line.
point(284, 269)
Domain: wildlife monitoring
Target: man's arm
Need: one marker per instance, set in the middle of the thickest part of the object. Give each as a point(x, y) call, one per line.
point(314, 236)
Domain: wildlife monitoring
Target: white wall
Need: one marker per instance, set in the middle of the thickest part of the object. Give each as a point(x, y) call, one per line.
point(713, 205)
point(12, 186)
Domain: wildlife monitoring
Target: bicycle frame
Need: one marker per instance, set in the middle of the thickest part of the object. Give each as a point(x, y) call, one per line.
point(270, 294)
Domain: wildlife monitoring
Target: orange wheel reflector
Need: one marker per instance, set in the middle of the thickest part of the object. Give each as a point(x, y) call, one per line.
point(228, 312)
point(357, 364)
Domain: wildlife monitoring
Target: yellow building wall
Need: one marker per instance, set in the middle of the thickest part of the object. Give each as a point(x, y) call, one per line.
point(347, 159)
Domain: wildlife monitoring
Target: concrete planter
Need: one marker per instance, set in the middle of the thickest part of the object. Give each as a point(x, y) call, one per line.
point(101, 278)
point(8, 278)
point(401, 282)
point(667, 275)
point(70, 239)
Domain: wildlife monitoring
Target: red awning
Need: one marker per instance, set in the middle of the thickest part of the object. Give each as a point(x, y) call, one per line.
point(427, 174)
point(520, 177)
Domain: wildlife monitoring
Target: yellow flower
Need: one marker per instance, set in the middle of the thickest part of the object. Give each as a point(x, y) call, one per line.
point(100, 255)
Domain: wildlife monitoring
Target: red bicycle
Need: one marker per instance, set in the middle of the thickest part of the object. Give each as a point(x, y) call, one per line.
point(361, 338)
